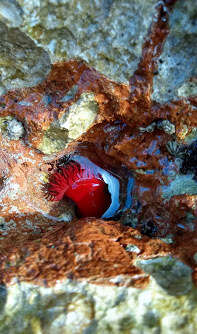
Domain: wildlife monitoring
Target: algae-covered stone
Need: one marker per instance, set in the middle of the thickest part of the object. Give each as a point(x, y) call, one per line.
point(15, 129)
point(11, 128)
point(22, 63)
point(54, 139)
point(171, 274)
point(71, 125)
point(80, 116)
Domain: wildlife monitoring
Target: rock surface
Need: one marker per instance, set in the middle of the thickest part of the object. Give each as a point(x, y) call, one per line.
point(172, 275)
point(85, 308)
point(22, 63)
point(143, 264)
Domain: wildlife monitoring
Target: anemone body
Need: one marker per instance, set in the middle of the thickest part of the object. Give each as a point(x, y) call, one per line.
point(83, 185)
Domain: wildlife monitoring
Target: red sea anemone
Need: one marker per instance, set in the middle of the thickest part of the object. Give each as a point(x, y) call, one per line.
point(83, 182)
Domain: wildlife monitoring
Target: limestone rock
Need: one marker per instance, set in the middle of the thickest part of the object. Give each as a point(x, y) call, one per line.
point(22, 63)
point(172, 275)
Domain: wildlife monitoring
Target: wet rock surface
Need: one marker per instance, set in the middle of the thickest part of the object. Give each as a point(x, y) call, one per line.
point(174, 78)
point(82, 307)
point(22, 63)
point(123, 128)
point(172, 275)
point(107, 34)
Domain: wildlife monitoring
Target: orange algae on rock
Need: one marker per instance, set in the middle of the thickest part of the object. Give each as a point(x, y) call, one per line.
point(35, 246)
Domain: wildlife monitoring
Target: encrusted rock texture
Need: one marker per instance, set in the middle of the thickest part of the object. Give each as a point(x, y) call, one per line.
point(135, 117)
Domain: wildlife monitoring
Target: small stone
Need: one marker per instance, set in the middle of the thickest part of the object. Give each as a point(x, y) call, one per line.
point(171, 274)
point(149, 128)
point(168, 239)
point(80, 116)
point(188, 88)
point(67, 216)
point(166, 126)
point(132, 248)
point(15, 129)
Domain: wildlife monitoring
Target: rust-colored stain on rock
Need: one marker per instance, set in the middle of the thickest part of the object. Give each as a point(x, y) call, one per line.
point(35, 245)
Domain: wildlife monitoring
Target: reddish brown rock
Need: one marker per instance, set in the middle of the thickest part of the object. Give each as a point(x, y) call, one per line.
point(85, 249)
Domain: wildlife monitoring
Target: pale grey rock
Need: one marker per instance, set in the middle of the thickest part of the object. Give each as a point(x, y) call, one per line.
point(15, 129)
point(22, 63)
point(178, 60)
point(173, 324)
point(188, 88)
point(108, 34)
point(171, 274)
point(70, 94)
point(166, 126)
point(191, 136)
point(2, 89)
point(133, 248)
point(11, 13)
point(151, 318)
point(149, 128)
point(180, 185)
point(80, 307)
point(168, 239)
point(11, 128)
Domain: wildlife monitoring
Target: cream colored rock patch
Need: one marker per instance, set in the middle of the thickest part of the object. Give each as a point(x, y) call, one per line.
point(80, 116)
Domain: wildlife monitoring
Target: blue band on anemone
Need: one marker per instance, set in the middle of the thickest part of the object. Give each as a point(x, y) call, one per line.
point(94, 190)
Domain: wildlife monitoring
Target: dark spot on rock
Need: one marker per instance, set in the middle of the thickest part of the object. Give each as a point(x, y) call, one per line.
point(190, 159)
point(3, 296)
point(148, 228)
point(1, 183)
